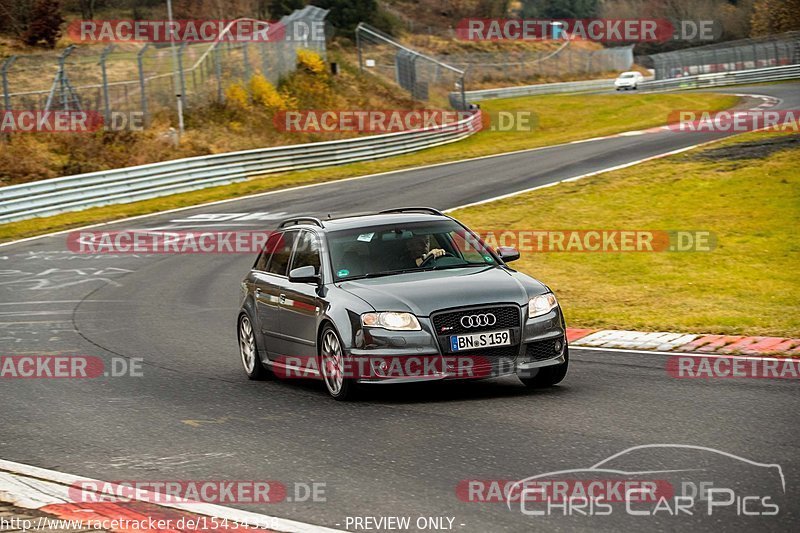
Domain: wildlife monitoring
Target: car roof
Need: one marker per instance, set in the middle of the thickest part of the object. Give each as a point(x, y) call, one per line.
point(373, 219)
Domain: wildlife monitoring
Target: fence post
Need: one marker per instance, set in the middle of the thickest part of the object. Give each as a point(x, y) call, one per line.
point(358, 47)
point(4, 70)
point(142, 86)
point(182, 81)
point(246, 58)
point(106, 103)
point(218, 73)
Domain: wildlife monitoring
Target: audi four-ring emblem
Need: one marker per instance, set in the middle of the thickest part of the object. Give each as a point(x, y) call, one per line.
point(475, 321)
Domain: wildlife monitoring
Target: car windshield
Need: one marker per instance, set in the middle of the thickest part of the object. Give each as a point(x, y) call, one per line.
point(385, 250)
point(628, 75)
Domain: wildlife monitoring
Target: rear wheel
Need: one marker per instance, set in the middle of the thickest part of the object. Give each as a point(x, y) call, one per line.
point(548, 376)
point(248, 350)
point(332, 365)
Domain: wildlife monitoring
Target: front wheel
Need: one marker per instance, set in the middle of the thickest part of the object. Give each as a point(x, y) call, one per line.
point(549, 375)
point(332, 365)
point(248, 350)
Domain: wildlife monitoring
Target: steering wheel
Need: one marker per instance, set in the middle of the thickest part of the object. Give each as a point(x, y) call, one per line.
point(432, 257)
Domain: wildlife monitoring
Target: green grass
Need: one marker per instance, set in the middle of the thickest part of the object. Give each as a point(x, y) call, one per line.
point(747, 285)
point(559, 119)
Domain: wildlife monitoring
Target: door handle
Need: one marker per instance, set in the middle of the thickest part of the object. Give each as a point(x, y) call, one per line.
point(283, 298)
point(258, 291)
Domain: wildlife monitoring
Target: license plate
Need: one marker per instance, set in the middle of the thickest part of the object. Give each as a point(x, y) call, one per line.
point(484, 339)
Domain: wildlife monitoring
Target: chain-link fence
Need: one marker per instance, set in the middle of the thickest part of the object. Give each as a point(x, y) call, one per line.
point(426, 78)
point(566, 59)
point(130, 77)
point(745, 54)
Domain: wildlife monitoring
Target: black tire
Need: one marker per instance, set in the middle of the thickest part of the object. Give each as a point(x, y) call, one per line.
point(332, 357)
point(548, 376)
point(248, 349)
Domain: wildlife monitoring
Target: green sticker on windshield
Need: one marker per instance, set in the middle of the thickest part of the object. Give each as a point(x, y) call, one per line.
point(343, 273)
point(489, 258)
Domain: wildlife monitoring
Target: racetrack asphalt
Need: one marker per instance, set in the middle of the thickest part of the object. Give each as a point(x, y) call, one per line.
point(400, 451)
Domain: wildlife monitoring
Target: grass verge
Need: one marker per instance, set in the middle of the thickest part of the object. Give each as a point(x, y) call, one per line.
point(559, 119)
point(745, 190)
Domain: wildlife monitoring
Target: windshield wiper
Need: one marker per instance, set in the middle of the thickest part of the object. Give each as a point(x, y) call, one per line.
point(444, 267)
point(398, 271)
point(410, 270)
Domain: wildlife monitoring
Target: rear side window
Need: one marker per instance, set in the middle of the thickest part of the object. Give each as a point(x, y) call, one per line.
point(307, 252)
point(272, 244)
point(282, 252)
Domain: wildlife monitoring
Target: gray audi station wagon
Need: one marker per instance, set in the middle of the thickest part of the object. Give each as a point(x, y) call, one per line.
point(403, 295)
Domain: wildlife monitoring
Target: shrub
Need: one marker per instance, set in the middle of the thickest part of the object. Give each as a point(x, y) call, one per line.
point(310, 61)
point(236, 96)
point(265, 94)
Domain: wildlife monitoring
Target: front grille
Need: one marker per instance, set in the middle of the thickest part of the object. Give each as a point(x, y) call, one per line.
point(449, 323)
point(543, 350)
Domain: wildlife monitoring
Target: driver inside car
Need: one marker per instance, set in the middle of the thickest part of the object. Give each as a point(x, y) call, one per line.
point(419, 248)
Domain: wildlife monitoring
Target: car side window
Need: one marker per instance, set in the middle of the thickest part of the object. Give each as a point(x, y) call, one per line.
point(263, 258)
point(282, 253)
point(307, 252)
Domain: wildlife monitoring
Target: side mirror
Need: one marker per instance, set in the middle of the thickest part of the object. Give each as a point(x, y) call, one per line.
point(508, 254)
point(306, 274)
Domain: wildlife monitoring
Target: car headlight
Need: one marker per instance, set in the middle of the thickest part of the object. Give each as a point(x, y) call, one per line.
point(391, 320)
point(542, 304)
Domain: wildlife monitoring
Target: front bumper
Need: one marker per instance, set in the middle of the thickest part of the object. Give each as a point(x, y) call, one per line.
point(418, 356)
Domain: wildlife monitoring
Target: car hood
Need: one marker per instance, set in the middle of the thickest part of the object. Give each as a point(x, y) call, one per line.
point(424, 292)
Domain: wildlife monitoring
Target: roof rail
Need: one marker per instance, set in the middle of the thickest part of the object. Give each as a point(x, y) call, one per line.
point(412, 209)
point(300, 220)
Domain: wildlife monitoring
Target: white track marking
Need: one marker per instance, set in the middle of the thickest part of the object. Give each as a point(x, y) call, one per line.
point(682, 354)
point(32, 487)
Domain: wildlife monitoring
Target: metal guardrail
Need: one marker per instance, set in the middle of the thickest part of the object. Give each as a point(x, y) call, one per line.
point(543, 88)
point(130, 184)
point(788, 72)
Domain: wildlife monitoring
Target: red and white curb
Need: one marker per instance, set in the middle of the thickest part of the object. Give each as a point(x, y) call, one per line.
point(661, 341)
point(48, 491)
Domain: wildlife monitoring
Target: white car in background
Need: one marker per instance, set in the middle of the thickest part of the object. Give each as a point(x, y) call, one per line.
point(628, 80)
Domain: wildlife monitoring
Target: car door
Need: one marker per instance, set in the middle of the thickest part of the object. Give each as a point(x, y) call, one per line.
point(269, 285)
point(301, 304)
